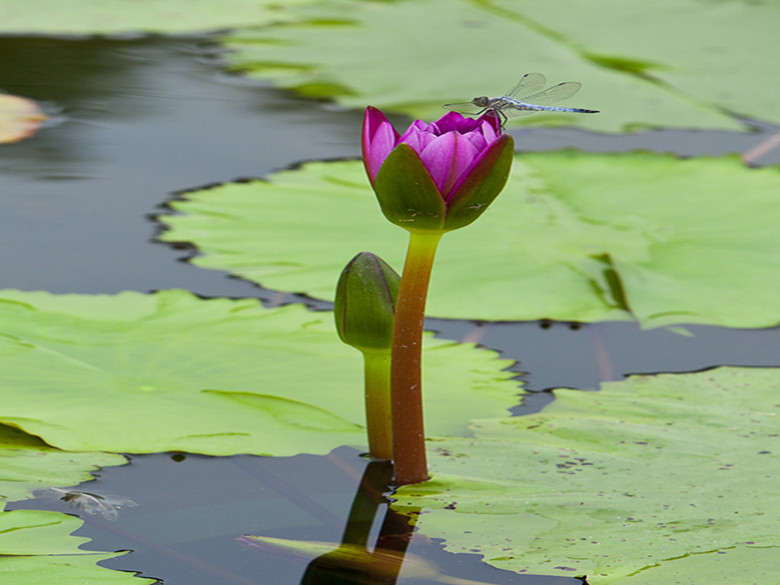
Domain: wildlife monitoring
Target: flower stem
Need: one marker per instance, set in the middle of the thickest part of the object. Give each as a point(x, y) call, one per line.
point(376, 367)
point(410, 465)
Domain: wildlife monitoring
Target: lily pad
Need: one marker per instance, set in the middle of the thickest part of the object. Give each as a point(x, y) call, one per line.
point(574, 236)
point(74, 569)
point(29, 464)
point(20, 118)
point(35, 546)
point(121, 16)
point(682, 66)
point(218, 377)
point(656, 479)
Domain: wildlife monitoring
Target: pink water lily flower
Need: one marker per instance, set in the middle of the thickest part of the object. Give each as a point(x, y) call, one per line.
point(461, 162)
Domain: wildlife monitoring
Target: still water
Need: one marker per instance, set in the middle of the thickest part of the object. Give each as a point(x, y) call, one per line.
point(136, 120)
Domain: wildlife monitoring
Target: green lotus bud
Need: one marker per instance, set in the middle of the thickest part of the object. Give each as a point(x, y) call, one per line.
point(365, 303)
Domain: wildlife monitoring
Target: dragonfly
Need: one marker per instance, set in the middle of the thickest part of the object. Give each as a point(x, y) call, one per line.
point(531, 100)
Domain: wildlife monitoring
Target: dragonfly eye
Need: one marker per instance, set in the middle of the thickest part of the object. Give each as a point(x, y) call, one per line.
point(481, 101)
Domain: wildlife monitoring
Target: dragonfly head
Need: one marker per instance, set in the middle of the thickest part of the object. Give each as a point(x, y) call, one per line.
point(482, 101)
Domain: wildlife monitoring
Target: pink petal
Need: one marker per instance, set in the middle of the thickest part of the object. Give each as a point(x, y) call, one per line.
point(418, 141)
point(480, 165)
point(455, 122)
point(415, 128)
point(379, 139)
point(446, 158)
point(489, 131)
point(478, 140)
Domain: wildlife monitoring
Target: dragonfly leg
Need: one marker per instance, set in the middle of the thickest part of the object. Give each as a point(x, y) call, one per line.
point(502, 117)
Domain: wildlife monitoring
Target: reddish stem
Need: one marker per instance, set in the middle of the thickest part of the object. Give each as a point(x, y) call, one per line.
point(410, 464)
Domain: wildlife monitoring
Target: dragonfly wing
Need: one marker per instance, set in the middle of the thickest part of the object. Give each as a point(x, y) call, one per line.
point(463, 108)
point(530, 83)
point(553, 95)
point(514, 113)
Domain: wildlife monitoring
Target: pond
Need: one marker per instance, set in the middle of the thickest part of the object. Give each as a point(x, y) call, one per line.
point(134, 121)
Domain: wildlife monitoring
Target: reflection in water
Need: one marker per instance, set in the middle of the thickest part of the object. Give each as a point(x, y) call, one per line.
point(354, 561)
point(318, 528)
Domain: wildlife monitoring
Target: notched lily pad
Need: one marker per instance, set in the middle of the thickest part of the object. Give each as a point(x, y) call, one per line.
point(573, 237)
point(36, 547)
point(218, 377)
point(657, 479)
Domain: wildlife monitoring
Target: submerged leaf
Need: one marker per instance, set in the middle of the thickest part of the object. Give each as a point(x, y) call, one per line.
point(347, 560)
point(105, 506)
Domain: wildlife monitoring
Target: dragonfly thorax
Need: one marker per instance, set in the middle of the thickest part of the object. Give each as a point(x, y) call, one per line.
point(482, 101)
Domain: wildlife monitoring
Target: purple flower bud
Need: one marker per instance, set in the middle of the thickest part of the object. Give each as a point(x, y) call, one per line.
point(438, 176)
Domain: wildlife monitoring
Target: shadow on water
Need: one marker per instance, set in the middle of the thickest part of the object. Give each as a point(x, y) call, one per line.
point(325, 520)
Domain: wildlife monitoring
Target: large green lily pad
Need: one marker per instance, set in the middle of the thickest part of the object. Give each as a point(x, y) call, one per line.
point(148, 373)
point(656, 479)
point(673, 63)
point(574, 236)
point(118, 16)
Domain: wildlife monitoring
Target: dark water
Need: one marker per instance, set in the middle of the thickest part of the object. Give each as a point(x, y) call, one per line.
point(136, 120)
point(191, 509)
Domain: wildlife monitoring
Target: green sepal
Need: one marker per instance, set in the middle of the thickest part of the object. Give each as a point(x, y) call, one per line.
point(482, 185)
point(407, 195)
point(365, 303)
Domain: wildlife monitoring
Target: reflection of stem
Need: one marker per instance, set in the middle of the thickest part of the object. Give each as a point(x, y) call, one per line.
point(405, 369)
point(353, 562)
point(373, 485)
point(378, 418)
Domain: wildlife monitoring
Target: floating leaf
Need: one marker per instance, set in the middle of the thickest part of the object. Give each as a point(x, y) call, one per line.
point(19, 118)
point(28, 464)
point(74, 569)
point(670, 474)
point(117, 16)
point(682, 67)
point(218, 377)
point(574, 236)
point(37, 547)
